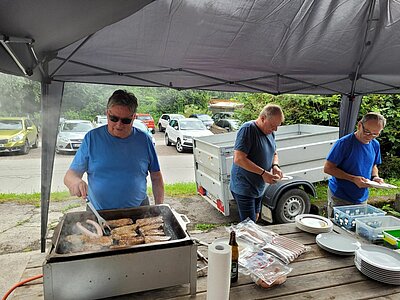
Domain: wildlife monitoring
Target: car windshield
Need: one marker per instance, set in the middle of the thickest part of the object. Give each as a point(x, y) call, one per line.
point(192, 125)
point(76, 127)
point(204, 117)
point(11, 125)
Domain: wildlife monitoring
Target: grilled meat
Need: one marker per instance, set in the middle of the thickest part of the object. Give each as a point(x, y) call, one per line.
point(155, 239)
point(150, 221)
point(119, 222)
point(129, 229)
point(124, 236)
point(131, 241)
point(153, 232)
point(155, 226)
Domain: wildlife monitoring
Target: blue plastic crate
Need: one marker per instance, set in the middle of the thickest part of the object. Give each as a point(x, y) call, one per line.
point(346, 215)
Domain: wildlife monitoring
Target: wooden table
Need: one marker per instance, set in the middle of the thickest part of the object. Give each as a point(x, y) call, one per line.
point(316, 274)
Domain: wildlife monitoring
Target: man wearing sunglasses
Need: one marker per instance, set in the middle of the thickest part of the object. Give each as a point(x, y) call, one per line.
point(354, 160)
point(117, 159)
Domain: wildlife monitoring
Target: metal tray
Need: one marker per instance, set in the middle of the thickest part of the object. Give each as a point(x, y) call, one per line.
point(174, 226)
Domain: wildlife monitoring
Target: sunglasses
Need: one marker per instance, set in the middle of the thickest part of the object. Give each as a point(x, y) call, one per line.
point(115, 119)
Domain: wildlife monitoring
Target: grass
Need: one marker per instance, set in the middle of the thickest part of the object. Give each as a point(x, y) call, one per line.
point(185, 189)
point(207, 227)
point(171, 190)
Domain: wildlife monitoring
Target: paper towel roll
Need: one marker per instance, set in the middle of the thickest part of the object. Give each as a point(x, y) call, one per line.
point(219, 271)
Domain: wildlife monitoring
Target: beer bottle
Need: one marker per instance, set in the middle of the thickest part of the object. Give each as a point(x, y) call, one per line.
point(235, 257)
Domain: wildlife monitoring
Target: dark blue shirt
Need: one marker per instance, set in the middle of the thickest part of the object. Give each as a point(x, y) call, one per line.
point(260, 149)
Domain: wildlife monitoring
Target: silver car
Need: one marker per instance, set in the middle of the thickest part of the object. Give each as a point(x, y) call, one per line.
point(71, 134)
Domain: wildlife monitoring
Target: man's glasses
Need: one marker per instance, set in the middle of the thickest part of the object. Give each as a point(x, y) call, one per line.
point(115, 119)
point(369, 133)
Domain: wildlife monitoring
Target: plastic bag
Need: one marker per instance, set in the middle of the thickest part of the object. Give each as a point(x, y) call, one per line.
point(262, 266)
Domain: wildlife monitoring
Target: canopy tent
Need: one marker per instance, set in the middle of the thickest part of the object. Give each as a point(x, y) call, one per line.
point(276, 46)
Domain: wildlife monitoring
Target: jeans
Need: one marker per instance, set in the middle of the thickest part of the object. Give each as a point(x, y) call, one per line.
point(248, 206)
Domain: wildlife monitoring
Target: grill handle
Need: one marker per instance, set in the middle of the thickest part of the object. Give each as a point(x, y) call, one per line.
point(182, 219)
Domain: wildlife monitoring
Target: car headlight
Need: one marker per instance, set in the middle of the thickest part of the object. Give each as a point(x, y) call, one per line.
point(64, 139)
point(17, 138)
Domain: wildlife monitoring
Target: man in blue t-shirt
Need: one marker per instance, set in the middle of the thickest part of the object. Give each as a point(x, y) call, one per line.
point(117, 159)
point(353, 161)
point(255, 161)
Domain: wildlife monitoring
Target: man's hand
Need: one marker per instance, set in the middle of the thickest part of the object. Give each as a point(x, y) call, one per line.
point(360, 181)
point(277, 171)
point(79, 189)
point(271, 178)
point(378, 179)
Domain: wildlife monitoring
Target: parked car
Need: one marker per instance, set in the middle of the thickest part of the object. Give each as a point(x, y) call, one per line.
point(165, 119)
point(71, 134)
point(143, 127)
point(18, 135)
point(182, 131)
point(222, 115)
point(148, 120)
point(100, 120)
point(206, 119)
point(228, 124)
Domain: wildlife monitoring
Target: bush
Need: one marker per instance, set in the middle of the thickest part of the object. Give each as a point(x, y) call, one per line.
point(390, 167)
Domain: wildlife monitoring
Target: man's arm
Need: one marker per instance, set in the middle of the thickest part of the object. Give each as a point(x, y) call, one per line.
point(240, 158)
point(75, 184)
point(276, 169)
point(332, 169)
point(375, 175)
point(157, 184)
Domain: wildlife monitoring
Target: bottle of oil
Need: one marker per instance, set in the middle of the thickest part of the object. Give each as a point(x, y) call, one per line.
point(235, 257)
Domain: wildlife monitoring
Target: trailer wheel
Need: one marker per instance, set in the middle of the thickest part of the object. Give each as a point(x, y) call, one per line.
point(292, 203)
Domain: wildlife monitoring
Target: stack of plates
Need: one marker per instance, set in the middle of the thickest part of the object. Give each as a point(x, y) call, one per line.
point(378, 263)
point(337, 244)
point(313, 223)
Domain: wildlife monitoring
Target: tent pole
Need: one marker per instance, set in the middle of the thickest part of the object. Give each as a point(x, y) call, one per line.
point(349, 109)
point(51, 107)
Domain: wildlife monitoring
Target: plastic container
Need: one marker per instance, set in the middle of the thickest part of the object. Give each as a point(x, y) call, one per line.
point(371, 228)
point(392, 238)
point(346, 215)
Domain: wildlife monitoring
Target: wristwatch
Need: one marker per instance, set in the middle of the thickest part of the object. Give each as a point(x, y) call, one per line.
point(273, 165)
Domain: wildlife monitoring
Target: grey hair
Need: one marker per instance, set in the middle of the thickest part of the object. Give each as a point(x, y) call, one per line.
point(270, 110)
point(374, 116)
point(124, 98)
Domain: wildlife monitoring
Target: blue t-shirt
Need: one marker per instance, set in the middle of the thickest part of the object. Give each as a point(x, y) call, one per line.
point(260, 149)
point(356, 158)
point(116, 168)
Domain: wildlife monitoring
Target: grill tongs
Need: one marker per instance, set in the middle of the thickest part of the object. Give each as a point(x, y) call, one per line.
point(103, 223)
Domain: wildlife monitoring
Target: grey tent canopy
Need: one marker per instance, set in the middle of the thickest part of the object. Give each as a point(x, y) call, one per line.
point(276, 46)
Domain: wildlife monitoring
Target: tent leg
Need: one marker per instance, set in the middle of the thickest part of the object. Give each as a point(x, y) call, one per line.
point(51, 108)
point(349, 109)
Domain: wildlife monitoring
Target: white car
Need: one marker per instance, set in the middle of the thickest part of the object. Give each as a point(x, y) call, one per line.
point(143, 127)
point(182, 131)
point(100, 120)
point(71, 134)
point(165, 119)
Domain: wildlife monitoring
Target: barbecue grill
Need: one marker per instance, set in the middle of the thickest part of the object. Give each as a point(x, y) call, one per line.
point(111, 272)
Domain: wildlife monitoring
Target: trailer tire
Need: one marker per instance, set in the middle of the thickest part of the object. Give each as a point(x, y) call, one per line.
point(292, 203)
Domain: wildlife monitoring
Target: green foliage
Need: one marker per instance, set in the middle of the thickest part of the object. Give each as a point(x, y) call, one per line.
point(390, 167)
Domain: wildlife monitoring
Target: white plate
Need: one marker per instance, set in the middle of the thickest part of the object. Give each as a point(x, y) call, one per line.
point(381, 185)
point(380, 257)
point(337, 243)
point(314, 221)
point(242, 243)
point(287, 177)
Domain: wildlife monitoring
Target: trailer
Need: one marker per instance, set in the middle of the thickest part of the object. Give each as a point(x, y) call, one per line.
point(302, 150)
